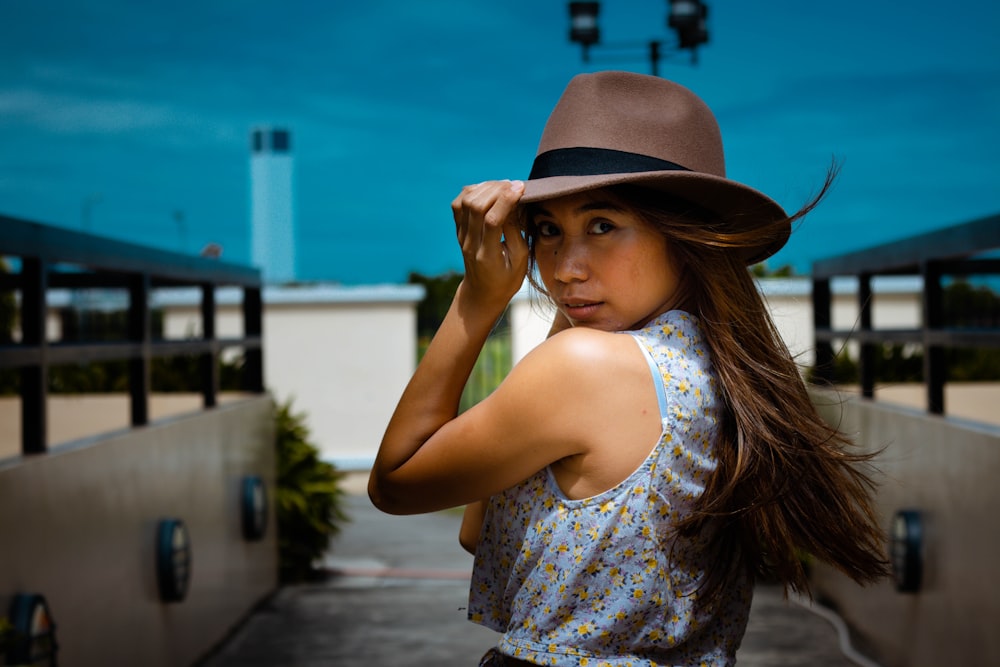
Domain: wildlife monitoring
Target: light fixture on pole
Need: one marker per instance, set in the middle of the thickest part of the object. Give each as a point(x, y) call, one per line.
point(687, 18)
point(583, 28)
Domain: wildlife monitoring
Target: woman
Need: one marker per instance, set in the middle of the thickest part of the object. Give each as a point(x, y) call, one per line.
point(635, 473)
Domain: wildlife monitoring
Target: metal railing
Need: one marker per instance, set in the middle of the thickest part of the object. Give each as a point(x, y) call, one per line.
point(53, 258)
point(967, 249)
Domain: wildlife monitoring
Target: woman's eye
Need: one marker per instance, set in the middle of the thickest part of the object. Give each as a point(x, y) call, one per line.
point(546, 229)
point(601, 227)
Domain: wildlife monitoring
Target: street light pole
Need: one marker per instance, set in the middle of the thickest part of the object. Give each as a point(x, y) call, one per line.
point(687, 18)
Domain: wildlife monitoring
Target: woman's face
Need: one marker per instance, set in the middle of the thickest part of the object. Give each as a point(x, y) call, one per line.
point(603, 266)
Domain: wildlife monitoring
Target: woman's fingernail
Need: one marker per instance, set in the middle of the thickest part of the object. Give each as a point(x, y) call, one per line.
point(517, 186)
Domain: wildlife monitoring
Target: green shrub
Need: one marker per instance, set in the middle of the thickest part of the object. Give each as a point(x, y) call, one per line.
point(309, 501)
point(6, 636)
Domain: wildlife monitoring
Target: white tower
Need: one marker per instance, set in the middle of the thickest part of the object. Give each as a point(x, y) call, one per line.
point(272, 221)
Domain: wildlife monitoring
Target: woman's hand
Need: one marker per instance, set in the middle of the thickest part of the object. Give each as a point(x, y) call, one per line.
point(494, 251)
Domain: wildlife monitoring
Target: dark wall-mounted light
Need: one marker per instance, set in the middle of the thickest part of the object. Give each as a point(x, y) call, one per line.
point(33, 632)
point(253, 508)
point(173, 559)
point(906, 550)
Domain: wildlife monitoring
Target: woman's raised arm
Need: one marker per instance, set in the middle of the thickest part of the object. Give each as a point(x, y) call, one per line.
point(496, 257)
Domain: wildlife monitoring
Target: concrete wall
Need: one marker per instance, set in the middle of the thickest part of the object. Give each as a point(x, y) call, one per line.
point(77, 525)
point(342, 354)
point(946, 468)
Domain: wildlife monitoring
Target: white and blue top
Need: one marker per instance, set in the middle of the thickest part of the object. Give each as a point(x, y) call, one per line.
point(606, 581)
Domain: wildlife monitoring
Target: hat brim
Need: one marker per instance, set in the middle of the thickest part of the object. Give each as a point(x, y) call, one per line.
point(731, 200)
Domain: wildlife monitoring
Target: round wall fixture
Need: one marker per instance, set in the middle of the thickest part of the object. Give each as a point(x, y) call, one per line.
point(253, 508)
point(906, 550)
point(173, 559)
point(34, 632)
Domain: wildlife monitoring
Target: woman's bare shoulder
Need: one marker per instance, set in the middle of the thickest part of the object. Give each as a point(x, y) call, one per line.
point(585, 346)
point(581, 360)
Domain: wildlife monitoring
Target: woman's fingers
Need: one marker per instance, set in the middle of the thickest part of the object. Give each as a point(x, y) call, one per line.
point(484, 214)
point(500, 213)
point(495, 252)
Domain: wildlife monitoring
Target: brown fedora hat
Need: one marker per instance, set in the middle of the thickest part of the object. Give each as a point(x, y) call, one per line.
point(611, 128)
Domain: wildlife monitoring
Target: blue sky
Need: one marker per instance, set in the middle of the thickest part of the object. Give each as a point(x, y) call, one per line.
point(139, 114)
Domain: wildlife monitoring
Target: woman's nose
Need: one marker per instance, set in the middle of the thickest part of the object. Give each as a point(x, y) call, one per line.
point(571, 262)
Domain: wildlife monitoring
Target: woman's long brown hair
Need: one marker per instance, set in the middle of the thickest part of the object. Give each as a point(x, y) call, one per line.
point(786, 482)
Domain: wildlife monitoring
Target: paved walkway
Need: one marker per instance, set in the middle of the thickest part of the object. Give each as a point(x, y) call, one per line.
point(397, 597)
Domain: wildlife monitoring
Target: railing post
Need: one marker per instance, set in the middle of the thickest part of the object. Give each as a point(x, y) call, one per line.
point(34, 378)
point(139, 332)
point(822, 319)
point(253, 359)
point(866, 361)
point(935, 367)
point(209, 361)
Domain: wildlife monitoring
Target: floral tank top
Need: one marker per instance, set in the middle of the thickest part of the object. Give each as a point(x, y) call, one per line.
point(605, 581)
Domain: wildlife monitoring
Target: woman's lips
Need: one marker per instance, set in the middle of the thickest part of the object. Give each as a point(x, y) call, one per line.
point(580, 310)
